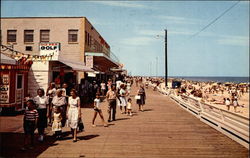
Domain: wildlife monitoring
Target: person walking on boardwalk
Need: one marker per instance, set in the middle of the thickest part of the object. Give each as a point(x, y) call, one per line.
point(103, 88)
point(29, 124)
point(42, 103)
point(60, 102)
point(57, 122)
point(74, 113)
point(51, 92)
point(111, 97)
point(123, 101)
point(142, 94)
point(98, 110)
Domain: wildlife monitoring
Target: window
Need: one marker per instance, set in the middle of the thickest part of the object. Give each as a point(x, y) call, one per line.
point(86, 37)
point(73, 35)
point(19, 81)
point(11, 36)
point(28, 48)
point(90, 41)
point(44, 35)
point(28, 35)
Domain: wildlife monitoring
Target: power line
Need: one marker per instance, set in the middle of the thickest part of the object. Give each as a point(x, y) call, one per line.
point(214, 20)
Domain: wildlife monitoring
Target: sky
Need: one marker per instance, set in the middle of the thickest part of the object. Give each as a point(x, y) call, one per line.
point(135, 32)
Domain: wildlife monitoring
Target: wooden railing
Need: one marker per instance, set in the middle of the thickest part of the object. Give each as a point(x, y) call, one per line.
point(229, 123)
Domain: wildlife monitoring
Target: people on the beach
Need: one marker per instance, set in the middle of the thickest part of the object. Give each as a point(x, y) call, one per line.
point(228, 103)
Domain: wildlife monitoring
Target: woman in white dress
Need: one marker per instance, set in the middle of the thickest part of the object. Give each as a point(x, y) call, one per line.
point(74, 113)
point(123, 94)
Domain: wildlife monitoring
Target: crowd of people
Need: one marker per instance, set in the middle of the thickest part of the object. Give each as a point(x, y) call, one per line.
point(61, 107)
point(216, 93)
point(228, 94)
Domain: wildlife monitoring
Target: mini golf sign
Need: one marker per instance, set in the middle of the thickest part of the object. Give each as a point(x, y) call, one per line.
point(49, 48)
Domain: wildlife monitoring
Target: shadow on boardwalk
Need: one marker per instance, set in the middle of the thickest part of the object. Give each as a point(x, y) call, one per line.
point(11, 144)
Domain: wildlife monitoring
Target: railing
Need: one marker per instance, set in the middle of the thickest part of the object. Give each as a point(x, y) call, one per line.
point(231, 124)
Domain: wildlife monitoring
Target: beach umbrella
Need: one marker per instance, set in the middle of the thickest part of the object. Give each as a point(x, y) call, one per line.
point(227, 83)
point(242, 84)
point(215, 84)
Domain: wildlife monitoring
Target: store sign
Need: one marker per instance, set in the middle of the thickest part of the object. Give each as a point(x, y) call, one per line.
point(4, 89)
point(50, 48)
point(90, 61)
point(91, 74)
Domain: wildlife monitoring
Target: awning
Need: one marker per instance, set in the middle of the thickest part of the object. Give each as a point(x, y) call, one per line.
point(77, 66)
point(102, 62)
point(7, 60)
point(118, 70)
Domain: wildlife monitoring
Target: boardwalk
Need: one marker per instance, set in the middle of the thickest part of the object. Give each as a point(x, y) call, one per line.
point(163, 130)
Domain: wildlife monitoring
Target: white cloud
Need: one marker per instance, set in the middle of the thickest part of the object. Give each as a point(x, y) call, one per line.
point(121, 4)
point(179, 20)
point(233, 40)
point(137, 41)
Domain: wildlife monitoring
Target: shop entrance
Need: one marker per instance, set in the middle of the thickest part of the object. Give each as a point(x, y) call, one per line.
point(19, 92)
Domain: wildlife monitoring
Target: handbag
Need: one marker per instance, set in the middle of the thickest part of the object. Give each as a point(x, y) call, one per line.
point(137, 97)
point(80, 125)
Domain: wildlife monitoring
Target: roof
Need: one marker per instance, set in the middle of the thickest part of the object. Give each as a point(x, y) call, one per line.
point(7, 60)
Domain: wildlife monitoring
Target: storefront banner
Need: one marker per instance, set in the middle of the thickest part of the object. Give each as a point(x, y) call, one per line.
point(49, 48)
point(90, 61)
point(91, 74)
point(4, 89)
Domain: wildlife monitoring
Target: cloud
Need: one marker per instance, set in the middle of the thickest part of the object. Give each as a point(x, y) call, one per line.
point(233, 40)
point(121, 4)
point(137, 41)
point(179, 20)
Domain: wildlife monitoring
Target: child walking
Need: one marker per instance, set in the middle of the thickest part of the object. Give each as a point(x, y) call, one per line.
point(57, 123)
point(97, 110)
point(129, 106)
point(29, 124)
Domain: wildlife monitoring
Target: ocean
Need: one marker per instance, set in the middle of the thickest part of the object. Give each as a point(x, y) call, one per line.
point(215, 79)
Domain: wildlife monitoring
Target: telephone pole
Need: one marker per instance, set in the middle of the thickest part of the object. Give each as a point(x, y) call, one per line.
point(166, 58)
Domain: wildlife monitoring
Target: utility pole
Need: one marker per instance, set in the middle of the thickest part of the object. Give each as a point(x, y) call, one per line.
point(166, 58)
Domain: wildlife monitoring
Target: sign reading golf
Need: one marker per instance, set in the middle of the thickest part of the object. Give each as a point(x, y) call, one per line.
point(49, 48)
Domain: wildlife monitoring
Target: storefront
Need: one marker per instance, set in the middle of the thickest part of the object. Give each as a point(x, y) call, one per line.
point(102, 64)
point(13, 83)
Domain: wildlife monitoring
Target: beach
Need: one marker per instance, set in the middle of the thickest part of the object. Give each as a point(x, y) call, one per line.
point(212, 93)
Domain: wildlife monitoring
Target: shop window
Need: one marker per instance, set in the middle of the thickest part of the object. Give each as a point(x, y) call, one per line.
point(88, 39)
point(28, 35)
point(72, 35)
point(19, 81)
point(44, 35)
point(11, 35)
point(86, 36)
point(28, 48)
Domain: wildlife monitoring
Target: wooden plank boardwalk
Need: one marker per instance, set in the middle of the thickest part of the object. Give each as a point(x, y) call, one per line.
point(163, 130)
